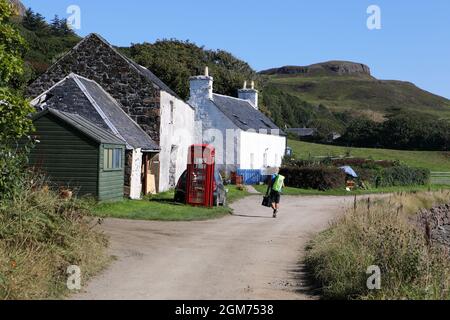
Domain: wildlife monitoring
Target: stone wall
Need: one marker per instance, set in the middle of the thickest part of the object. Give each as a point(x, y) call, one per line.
point(95, 59)
point(436, 224)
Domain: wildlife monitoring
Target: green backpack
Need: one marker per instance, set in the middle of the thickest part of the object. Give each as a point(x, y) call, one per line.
point(278, 183)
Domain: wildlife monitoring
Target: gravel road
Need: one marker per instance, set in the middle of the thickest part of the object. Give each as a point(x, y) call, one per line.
point(248, 255)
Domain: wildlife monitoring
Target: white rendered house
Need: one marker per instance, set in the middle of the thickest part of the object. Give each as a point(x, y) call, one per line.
point(243, 136)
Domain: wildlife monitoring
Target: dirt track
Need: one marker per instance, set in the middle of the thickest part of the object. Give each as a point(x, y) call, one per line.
point(248, 255)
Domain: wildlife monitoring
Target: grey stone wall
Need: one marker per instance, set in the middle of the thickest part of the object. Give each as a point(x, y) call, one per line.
point(436, 223)
point(95, 59)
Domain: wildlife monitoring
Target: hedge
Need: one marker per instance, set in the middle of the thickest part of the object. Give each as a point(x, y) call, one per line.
point(402, 176)
point(316, 177)
point(326, 178)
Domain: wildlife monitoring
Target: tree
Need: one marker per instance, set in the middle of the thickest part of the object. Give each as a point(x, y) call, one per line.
point(55, 25)
point(14, 110)
point(174, 61)
point(12, 48)
point(35, 22)
point(362, 132)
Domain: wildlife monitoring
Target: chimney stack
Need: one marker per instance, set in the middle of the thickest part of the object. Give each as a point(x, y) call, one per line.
point(251, 95)
point(201, 87)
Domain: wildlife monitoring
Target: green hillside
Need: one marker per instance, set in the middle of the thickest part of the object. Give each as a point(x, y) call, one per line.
point(361, 94)
point(433, 160)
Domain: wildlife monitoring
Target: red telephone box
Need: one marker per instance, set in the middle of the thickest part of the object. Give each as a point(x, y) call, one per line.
point(200, 175)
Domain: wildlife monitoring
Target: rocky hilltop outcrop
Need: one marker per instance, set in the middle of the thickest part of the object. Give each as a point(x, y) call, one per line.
point(339, 68)
point(19, 8)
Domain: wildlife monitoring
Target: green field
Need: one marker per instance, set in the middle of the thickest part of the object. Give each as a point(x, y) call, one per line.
point(161, 207)
point(433, 160)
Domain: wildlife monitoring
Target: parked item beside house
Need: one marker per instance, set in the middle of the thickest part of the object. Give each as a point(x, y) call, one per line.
point(157, 109)
point(78, 155)
point(219, 191)
point(244, 138)
point(77, 95)
point(201, 184)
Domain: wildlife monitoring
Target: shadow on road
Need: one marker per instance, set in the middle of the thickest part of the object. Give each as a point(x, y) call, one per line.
point(306, 283)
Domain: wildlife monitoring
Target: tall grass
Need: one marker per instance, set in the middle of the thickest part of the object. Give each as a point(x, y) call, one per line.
point(40, 236)
point(381, 233)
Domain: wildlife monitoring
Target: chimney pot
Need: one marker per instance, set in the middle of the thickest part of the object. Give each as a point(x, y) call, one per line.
point(251, 95)
point(201, 87)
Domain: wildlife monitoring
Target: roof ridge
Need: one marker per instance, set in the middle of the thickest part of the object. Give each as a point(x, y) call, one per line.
point(230, 97)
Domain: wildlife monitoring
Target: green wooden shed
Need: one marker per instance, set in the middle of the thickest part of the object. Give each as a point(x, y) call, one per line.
point(75, 153)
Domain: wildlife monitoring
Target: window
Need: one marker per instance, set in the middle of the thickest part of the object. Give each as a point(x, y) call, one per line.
point(252, 161)
point(172, 112)
point(112, 159)
point(265, 160)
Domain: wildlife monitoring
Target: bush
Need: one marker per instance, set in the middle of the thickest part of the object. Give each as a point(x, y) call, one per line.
point(14, 125)
point(385, 237)
point(315, 177)
point(402, 176)
point(40, 236)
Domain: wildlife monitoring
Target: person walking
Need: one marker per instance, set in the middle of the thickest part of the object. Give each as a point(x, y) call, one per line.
point(276, 185)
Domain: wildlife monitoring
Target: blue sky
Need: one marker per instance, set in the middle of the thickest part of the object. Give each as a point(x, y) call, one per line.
point(412, 45)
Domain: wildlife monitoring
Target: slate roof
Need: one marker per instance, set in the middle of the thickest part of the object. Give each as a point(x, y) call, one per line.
point(83, 125)
point(140, 69)
point(99, 108)
point(244, 115)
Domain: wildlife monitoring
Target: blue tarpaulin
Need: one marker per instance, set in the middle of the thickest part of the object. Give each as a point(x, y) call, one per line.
point(250, 176)
point(348, 170)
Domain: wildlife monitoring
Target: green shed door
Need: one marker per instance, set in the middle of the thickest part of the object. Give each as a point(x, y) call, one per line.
point(111, 172)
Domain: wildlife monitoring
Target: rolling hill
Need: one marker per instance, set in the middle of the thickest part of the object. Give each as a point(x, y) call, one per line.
point(346, 86)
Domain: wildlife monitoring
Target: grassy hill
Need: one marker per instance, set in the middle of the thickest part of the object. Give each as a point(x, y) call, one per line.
point(433, 160)
point(356, 91)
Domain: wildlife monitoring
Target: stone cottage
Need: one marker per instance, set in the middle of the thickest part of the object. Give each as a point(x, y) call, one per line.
point(243, 136)
point(85, 98)
point(165, 117)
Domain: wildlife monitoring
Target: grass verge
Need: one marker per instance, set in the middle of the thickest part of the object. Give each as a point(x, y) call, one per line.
point(288, 191)
point(40, 237)
point(382, 235)
point(162, 207)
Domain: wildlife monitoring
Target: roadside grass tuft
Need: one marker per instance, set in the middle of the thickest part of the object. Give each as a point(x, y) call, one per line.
point(383, 235)
point(289, 191)
point(40, 236)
